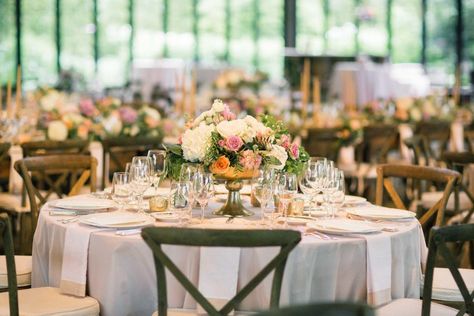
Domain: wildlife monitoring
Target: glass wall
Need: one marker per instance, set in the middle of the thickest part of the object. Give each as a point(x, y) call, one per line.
point(342, 30)
point(180, 39)
point(211, 30)
point(148, 23)
point(373, 37)
point(310, 26)
point(39, 48)
point(7, 41)
point(406, 26)
point(271, 43)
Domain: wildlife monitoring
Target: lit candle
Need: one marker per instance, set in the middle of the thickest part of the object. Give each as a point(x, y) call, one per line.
point(316, 98)
point(9, 100)
point(305, 90)
point(18, 89)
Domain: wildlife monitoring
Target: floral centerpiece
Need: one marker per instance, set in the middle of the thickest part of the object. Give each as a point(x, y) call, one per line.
point(233, 149)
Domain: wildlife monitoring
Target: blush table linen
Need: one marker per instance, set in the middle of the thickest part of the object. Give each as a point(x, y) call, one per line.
point(121, 273)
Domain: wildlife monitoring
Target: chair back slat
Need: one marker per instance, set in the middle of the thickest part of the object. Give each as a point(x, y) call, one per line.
point(50, 147)
point(155, 237)
point(378, 140)
point(47, 167)
point(323, 142)
point(419, 173)
point(439, 237)
point(7, 238)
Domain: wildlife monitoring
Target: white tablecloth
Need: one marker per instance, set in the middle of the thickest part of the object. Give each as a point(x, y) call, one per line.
point(121, 273)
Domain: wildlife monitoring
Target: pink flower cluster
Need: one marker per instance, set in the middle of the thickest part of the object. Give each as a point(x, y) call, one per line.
point(227, 114)
point(231, 143)
point(128, 115)
point(250, 160)
point(292, 148)
point(87, 107)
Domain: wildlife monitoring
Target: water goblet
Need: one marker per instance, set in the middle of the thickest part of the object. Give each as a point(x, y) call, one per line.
point(121, 189)
point(203, 190)
point(181, 200)
point(140, 181)
point(287, 188)
point(158, 166)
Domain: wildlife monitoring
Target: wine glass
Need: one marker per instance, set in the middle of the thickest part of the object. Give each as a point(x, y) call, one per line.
point(338, 193)
point(181, 200)
point(287, 188)
point(262, 190)
point(158, 166)
point(127, 167)
point(140, 179)
point(308, 188)
point(121, 189)
point(188, 170)
point(203, 189)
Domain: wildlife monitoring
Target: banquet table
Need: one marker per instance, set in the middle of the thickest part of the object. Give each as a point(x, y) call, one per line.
point(121, 275)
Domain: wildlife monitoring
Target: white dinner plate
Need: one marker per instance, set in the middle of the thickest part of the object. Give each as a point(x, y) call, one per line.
point(166, 217)
point(343, 227)
point(118, 220)
point(315, 212)
point(297, 220)
point(348, 199)
point(149, 193)
point(383, 213)
point(82, 204)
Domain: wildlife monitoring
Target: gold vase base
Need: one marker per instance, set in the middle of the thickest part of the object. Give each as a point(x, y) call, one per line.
point(233, 206)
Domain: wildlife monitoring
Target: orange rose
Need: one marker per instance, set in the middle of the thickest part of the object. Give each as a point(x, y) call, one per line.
point(220, 166)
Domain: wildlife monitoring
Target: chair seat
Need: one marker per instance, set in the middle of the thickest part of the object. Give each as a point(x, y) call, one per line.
point(193, 312)
point(49, 301)
point(9, 201)
point(428, 199)
point(444, 287)
point(23, 271)
point(411, 306)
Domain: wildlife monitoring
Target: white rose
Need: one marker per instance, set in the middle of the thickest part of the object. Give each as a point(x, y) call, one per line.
point(279, 153)
point(218, 106)
point(195, 142)
point(57, 131)
point(112, 125)
point(257, 126)
point(236, 127)
point(153, 113)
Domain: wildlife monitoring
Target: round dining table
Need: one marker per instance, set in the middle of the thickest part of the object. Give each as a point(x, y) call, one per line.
point(120, 270)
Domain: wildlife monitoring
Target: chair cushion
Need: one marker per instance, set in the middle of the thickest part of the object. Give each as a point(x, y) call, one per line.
point(411, 306)
point(23, 271)
point(428, 199)
point(12, 202)
point(49, 301)
point(444, 287)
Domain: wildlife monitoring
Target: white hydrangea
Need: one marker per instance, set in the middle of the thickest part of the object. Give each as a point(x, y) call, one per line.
point(279, 153)
point(236, 127)
point(218, 106)
point(57, 131)
point(112, 125)
point(255, 125)
point(195, 142)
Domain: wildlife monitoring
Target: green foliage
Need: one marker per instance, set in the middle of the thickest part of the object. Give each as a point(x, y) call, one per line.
point(174, 160)
point(297, 166)
point(276, 125)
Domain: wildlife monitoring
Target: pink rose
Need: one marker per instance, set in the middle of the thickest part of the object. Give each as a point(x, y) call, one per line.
point(233, 143)
point(294, 151)
point(221, 143)
point(227, 114)
point(285, 141)
point(87, 107)
point(250, 160)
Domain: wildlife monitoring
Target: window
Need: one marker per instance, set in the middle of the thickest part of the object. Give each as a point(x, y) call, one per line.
point(271, 43)
point(406, 26)
point(310, 23)
point(211, 30)
point(180, 39)
point(114, 36)
point(341, 33)
point(77, 33)
point(372, 16)
point(7, 41)
point(148, 21)
point(38, 42)
point(242, 46)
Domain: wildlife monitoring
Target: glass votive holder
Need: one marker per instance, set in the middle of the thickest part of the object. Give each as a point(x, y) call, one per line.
point(159, 203)
point(296, 207)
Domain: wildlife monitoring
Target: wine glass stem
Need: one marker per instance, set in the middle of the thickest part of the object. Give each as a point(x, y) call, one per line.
point(140, 203)
point(202, 212)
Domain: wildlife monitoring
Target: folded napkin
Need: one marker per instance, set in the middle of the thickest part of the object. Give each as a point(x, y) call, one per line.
point(379, 268)
point(75, 258)
point(218, 274)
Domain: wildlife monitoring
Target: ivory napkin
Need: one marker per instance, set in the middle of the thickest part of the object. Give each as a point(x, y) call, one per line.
point(75, 258)
point(218, 274)
point(379, 268)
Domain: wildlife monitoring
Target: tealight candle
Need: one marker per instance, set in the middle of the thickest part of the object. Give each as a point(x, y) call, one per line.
point(159, 203)
point(296, 207)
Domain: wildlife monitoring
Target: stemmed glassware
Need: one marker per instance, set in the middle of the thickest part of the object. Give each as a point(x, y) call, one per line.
point(121, 189)
point(203, 190)
point(181, 200)
point(158, 166)
point(263, 189)
point(188, 171)
point(140, 178)
point(287, 188)
point(338, 192)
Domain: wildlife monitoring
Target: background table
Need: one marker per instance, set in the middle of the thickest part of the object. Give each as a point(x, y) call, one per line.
point(121, 273)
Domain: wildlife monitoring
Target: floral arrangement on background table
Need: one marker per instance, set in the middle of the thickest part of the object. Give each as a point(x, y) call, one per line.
point(233, 149)
point(235, 80)
point(66, 116)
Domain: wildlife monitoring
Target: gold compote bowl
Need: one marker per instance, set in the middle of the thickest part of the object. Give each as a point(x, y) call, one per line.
point(233, 206)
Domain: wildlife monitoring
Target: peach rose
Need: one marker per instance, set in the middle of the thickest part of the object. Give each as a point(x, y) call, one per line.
point(220, 166)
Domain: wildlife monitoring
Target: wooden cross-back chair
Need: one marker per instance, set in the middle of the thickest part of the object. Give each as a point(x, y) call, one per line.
point(40, 300)
point(420, 148)
point(59, 166)
point(50, 147)
point(418, 173)
point(323, 142)
point(322, 309)
point(439, 238)
point(4, 166)
point(117, 151)
point(378, 140)
point(156, 237)
point(436, 134)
